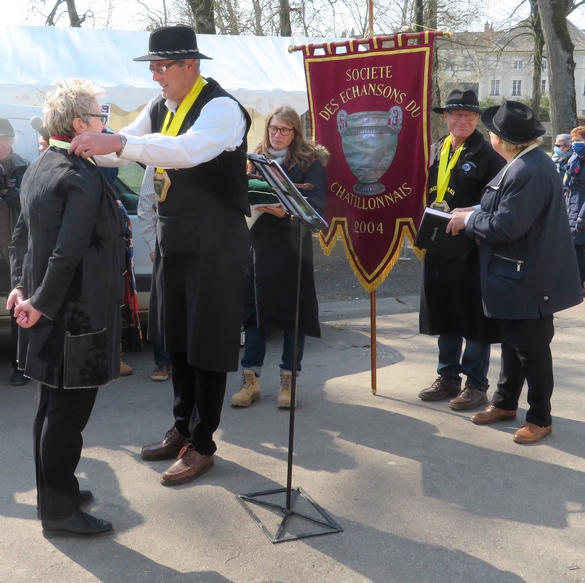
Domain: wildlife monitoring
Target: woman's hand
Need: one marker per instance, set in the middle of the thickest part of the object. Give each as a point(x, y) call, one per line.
point(16, 297)
point(457, 221)
point(26, 316)
point(278, 211)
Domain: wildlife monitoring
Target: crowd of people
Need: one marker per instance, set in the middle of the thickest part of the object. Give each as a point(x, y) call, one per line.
point(212, 273)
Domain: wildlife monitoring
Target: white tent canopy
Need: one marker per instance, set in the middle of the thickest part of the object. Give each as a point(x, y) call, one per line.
point(258, 71)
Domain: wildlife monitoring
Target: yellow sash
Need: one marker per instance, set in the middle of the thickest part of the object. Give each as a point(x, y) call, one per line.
point(445, 167)
point(65, 146)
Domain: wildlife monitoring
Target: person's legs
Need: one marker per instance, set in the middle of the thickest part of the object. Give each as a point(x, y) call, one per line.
point(61, 417)
point(288, 350)
point(210, 391)
point(449, 366)
point(511, 380)
point(254, 349)
point(538, 368)
point(161, 356)
point(580, 253)
point(475, 364)
point(184, 390)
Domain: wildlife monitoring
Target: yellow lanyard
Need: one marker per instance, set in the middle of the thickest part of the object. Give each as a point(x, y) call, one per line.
point(173, 123)
point(445, 167)
point(66, 146)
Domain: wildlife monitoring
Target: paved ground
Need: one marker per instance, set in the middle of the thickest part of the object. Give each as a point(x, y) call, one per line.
point(422, 494)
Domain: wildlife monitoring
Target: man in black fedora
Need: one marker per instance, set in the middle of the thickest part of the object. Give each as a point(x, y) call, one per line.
point(462, 163)
point(194, 134)
point(528, 267)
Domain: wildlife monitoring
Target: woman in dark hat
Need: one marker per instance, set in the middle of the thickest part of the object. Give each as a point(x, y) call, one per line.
point(528, 266)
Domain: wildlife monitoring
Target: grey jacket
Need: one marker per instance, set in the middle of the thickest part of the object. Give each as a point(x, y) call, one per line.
point(527, 261)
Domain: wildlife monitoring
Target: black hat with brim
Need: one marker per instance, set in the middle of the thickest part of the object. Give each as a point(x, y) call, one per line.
point(172, 43)
point(460, 100)
point(513, 121)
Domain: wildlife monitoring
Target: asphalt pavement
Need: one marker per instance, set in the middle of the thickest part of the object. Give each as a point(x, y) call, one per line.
point(422, 494)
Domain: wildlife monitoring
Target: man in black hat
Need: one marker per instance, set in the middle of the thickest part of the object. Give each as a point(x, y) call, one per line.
point(194, 134)
point(12, 168)
point(528, 267)
point(462, 163)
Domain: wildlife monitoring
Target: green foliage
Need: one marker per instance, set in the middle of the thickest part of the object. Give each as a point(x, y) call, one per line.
point(489, 102)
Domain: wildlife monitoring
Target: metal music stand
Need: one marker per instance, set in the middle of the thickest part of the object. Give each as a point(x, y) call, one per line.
point(295, 506)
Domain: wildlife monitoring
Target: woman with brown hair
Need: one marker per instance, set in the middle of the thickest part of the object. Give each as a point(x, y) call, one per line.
point(272, 277)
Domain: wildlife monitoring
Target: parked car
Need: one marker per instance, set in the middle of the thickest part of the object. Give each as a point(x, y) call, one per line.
point(127, 187)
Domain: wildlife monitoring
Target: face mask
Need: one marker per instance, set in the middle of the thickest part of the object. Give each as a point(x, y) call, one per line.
point(578, 147)
point(558, 151)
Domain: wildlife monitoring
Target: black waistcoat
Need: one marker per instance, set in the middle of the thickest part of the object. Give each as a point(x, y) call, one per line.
point(223, 178)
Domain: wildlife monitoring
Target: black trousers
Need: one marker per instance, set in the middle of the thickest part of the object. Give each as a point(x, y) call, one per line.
point(199, 397)
point(526, 356)
point(62, 415)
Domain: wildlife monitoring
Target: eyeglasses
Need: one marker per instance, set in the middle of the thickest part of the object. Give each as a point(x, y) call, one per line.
point(161, 69)
point(103, 116)
point(467, 116)
point(273, 130)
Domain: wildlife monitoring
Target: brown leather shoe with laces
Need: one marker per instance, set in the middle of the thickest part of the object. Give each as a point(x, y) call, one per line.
point(493, 415)
point(469, 398)
point(440, 390)
point(530, 433)
point(166, 449)
point(189, 465)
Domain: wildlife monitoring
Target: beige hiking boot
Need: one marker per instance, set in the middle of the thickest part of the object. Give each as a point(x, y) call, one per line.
point(249, 392)
point(284, 395)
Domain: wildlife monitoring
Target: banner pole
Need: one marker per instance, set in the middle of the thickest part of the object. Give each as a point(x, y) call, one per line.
point(371, 16)
point(373, 342)
point(365, 41)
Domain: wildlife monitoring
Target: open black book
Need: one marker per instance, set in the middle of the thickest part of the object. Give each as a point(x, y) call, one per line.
point(288, 194)
point(432, 235)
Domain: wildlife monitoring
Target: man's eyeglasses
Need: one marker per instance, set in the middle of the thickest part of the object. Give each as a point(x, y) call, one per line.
point(273, 130)
point(467, 116)
point(161, 69)
point(103, 116)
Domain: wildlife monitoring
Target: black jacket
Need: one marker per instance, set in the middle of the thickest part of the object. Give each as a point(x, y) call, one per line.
point(272, 275)
point(73, 231)
point(528, 264)
point(451, 291)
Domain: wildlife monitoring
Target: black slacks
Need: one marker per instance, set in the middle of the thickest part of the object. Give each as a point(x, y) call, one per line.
point(526, 356)
point(62, 415)
point(199, 397)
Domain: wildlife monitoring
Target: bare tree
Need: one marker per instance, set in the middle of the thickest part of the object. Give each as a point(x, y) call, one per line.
point(204, 16)
point(561, 64)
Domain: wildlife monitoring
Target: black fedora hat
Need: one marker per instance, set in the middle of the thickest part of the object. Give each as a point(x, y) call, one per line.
point(172, 43)
point(460, 100)
point(513, 121)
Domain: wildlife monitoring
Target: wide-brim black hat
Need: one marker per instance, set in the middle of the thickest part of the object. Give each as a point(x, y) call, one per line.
point(460, 100)
point(513, 121)
point(172, 43)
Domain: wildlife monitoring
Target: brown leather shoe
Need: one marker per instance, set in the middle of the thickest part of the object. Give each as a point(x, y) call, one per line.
point(189, 465)
point(493, 415)
point(530, 433)
point(166, 449)
point(469, 398)
point(439, 390)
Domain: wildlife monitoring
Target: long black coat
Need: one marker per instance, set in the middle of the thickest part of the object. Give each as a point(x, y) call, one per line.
point(528, 264)
point(73, 230)
point(451, 291)
point(272, 275)
point(575, 200)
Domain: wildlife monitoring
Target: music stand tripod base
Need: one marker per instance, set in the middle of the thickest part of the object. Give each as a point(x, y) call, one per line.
point(288, 524)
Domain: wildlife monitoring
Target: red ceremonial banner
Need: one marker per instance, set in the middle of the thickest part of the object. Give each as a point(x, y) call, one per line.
point(369, 106)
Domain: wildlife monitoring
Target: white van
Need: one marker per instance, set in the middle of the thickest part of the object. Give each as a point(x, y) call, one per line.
point(127, 187)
